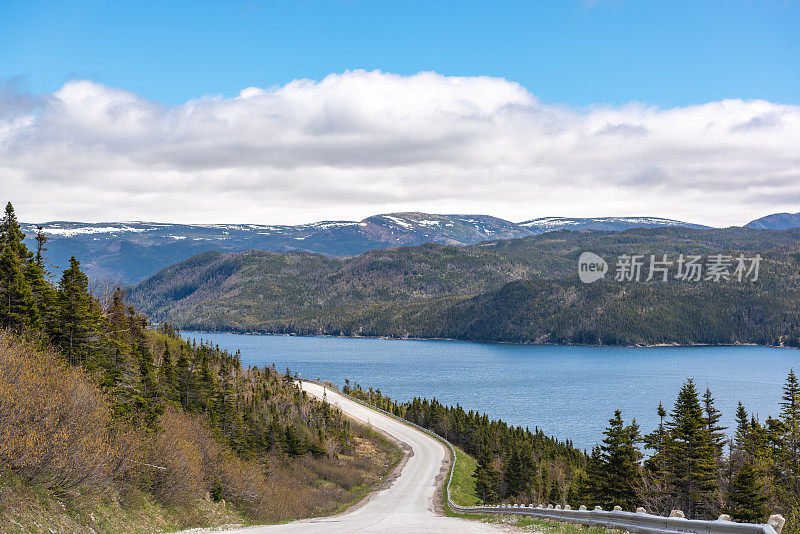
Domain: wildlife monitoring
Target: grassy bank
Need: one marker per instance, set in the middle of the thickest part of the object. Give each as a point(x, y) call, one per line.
point(462, 487)
point(462, 492)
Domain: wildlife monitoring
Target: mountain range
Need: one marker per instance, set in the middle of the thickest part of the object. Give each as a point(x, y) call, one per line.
point(127, 252)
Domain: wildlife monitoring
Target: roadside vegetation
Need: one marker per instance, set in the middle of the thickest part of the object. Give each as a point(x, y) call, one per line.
point(102, 418)
point(462, 486)
point(688, 462)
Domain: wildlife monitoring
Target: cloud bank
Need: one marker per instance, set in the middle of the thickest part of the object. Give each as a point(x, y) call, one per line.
point(359, 143)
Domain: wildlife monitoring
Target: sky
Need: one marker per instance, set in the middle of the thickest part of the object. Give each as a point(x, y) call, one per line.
point(291, 112)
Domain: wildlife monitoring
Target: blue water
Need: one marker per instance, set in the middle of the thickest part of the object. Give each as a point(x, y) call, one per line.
point(569, 392)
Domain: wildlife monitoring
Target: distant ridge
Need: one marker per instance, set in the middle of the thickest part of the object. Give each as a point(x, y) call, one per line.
point(776, 221)
point(131, 251)
point(615, 224)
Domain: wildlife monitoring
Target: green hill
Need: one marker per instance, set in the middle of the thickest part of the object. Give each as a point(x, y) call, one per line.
point(522, 290)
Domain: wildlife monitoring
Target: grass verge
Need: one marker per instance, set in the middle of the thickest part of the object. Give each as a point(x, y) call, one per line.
point(462, 487)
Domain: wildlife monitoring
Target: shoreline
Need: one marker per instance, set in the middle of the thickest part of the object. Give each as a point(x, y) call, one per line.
point(520, 343)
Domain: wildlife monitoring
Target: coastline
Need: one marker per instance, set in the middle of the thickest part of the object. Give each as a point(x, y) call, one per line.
point(491, 342)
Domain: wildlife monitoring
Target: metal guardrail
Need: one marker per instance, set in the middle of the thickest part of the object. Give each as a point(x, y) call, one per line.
point(632, 521)
point(636, 522)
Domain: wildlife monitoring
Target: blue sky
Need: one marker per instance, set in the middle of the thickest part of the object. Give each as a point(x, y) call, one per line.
point(576, 53)
point(292, 112)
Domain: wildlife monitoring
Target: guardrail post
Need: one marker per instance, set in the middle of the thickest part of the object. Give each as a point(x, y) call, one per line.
point(618, 508)
point(598, 508)
point(724, 517)
point(677, 513)
point(641, 510)
point(776, 521)
point(567, 507)
point(582, 507)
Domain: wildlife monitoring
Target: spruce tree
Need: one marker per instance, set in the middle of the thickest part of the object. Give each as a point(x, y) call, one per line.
point(716, 432)
point(742, 427)
point(515, 477)
point(17, 304)
point(620, 462)
point(74, 324)
point(746, 500)
point(486, 477)
point(691, 458)
point(166, 376)
point(790, 422)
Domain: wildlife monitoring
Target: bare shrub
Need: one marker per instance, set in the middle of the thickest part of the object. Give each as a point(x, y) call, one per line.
point(53, 421)
point(173, 467)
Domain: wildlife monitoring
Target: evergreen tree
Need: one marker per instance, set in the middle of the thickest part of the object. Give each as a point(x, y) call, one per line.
point(166, 376)
point(41, 240)
point(691, 458)
point(716, 432)
point(148, 398)
point(515, 477)
point(742, 427)
point(17, 304)
point(486, 478)
point(75, 322)
point(185, 380)
point(620, 462)
point(746, 501)
point(790, 421)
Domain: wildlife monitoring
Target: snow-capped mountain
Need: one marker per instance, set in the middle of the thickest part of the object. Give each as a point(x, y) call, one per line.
point(551, 224)
point(131, 251)
point(128, 252)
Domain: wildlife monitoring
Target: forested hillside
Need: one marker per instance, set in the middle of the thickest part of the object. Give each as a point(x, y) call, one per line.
point(522, 290)
point(108, 415)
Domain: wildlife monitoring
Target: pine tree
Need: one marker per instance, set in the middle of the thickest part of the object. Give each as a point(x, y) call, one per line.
point(17, 304)
point(166, 376)
point(75, 326)
point(515, 477)
point(716, 432)
point(742, 427)
point(746, 501)
point(486, 477)
point(790, 421)
point(41, 240)
point(620, 462)
point(691, 461)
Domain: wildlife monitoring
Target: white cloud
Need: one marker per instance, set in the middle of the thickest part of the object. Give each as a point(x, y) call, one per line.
point(359, 143)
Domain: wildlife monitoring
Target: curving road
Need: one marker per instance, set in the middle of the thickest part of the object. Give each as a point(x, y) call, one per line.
point(407, 505)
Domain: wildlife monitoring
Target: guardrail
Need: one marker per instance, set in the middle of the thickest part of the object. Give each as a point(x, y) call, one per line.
point(636, 522)
point(639, 521)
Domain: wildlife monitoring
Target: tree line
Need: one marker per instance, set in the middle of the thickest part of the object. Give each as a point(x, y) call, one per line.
point(512, 461)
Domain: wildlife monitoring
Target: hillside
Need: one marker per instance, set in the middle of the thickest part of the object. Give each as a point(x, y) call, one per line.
point(131, 251)
point(506, 290)
point(109, 425)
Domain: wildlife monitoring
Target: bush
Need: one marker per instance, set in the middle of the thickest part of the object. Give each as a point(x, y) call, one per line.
point(53, 421)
